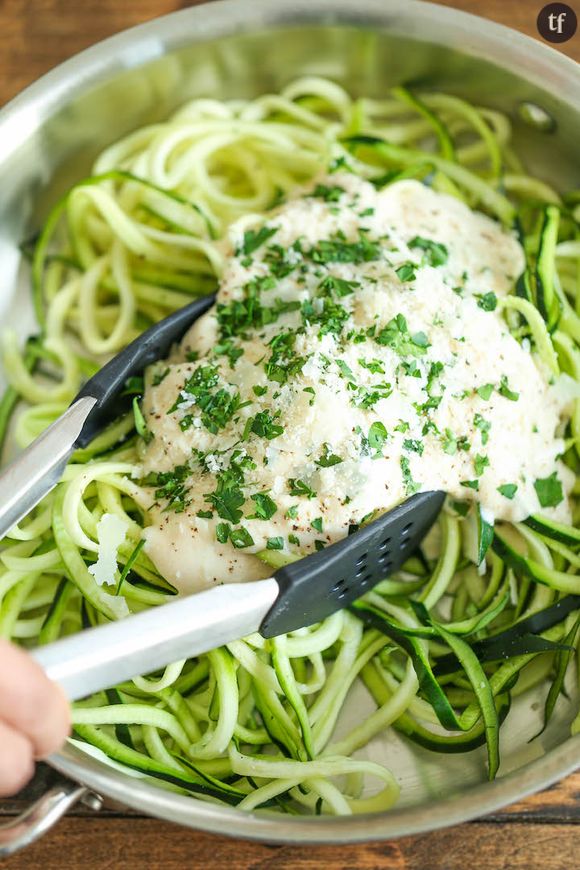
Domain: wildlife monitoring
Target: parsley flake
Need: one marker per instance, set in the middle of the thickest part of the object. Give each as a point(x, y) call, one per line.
point(374, 366)
point(329, 193)
point(241, 538)
point(328, 459)
point(338, 250)
point(484, 426)
point(411, 486)
point(265, 506)
point(434, 253)
point(377, 437)
point(480, 463)
point(508, 490)
point(159, 377)
point(406, 272)
point(170, 486)
point(504, 390)
point(413, 445)
point(485, 391)
point(298, 487)
point(549, 490)
point(487, 301)
point(264, 426)
point(254, 239)
point(396, 335)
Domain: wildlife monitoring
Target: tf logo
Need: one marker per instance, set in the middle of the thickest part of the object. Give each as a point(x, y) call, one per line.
point(557, 22)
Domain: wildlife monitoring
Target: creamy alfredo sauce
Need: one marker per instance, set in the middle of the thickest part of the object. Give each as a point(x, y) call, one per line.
point(356, 355)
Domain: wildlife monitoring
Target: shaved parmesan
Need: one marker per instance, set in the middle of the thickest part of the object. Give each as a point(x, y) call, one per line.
point(111, 531)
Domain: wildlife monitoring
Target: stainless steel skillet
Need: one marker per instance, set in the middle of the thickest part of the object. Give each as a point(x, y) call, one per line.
point(49, 136)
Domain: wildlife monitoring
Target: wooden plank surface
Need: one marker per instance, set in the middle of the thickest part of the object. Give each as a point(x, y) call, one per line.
point(146, 844)
point(540, 832)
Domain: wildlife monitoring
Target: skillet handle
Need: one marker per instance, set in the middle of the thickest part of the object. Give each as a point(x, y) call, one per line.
point(34, 822)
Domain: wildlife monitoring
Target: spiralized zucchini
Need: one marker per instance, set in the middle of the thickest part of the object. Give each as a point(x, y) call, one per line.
point(443, 645)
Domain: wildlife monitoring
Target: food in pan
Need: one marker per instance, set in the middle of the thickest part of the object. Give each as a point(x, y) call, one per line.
point(395, 311)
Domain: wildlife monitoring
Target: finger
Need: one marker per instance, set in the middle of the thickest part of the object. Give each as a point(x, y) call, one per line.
point(30, 703)
point(16, 760)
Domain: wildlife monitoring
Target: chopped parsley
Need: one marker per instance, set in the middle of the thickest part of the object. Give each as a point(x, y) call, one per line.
point(451, 443)
point(222, 532)
point(377, 437)
point(328, 459)
point(265, 506)
point(330, 315)
point(217, 406)
point(317, 524)
point(170, 486)
point(411, 368)
point(237, 317)
point(254, 239)
point(241, 538)
point(228, 498)
point(487, 301)
point(329, 193)
point(159, 377)
point(471, 484)
point(264, 426)
point(410, 485)
point(367, 397)
point(504, 390)
point(374, 366)
point(413, 445)
point(434, 253)
point(508, 490)
point(484, 426)
point(480, 463)
point(276, 543)
point(549, 490)
point(228, 348)
point(338, 250)
point(406, 272)
point(331, 284)
point(283, 362)
point(298, 487)
point(485, 391)
point(397, 336)
point(282, 261)
point(345, 370)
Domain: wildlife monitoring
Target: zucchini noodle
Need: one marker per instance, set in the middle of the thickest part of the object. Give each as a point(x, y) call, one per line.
point(470, 621)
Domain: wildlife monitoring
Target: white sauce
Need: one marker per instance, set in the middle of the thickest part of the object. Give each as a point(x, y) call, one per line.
point(505, 441)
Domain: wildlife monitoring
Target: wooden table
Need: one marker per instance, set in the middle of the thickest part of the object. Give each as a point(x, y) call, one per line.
point(541, 832)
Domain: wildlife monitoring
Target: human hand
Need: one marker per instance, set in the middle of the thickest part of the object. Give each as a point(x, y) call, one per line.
point(34, 717)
